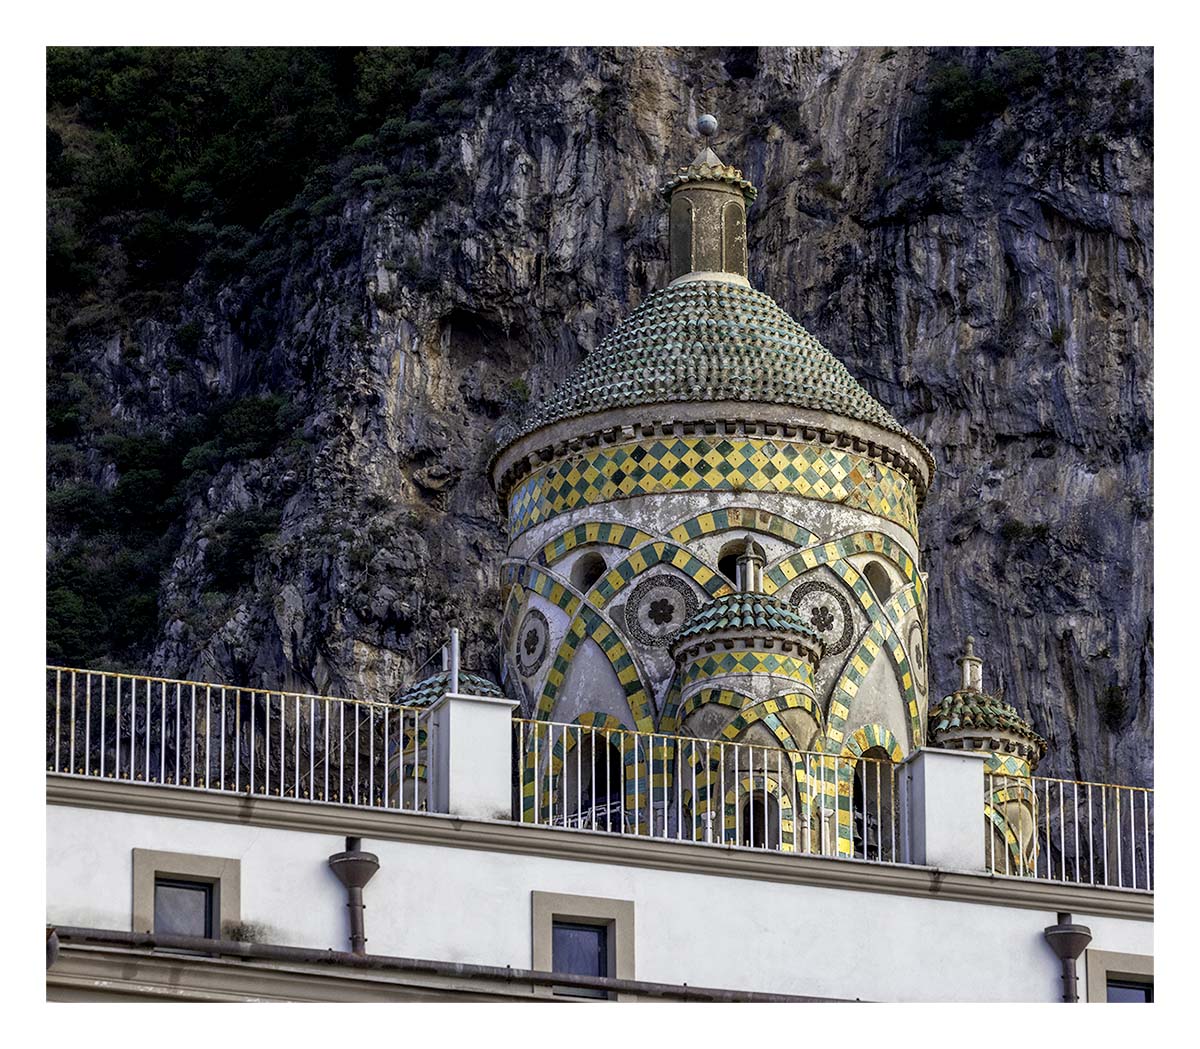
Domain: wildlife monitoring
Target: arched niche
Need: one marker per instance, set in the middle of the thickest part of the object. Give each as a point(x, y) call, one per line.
point(683, 234)
point(733, 237)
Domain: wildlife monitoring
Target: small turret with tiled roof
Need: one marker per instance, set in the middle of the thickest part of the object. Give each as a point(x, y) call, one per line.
point(971, 719)
point(754, 633)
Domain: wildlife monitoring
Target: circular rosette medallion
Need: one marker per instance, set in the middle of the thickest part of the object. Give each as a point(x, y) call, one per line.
point(824, 608)
point(658, 608)
point(533, 642)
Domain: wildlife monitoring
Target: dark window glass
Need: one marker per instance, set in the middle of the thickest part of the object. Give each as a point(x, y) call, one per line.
point(1130, 991)
point(581, 950)
point(182, 908)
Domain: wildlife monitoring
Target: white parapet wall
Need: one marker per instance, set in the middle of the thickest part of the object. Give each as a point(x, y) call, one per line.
point(472, 756)
point(461, 890)
point(943, 792)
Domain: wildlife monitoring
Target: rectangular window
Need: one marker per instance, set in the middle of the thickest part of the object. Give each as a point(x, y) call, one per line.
point(583, 936)
point(183, 908)
point(581, 950)
point(1130, 991)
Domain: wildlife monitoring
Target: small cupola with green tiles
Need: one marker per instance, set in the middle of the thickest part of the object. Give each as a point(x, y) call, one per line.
point(746, 632)
point(971, 719)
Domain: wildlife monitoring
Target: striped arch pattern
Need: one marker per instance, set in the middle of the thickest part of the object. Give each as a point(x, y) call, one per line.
point(1009, 793)
point(997, 824)
point(901, 603)
point(593, 532)
point(855, 746)
point(588, 623)
point(767, 712)
point(550, 753)
point(754, 785)
point(512, 605)
point(557, 593)
point(750, 517)
point(868, 736)
point(703, 768)
point(875, 640)
point(793, 565)
point(880, 636)
point(673, 718)
point(646, 557)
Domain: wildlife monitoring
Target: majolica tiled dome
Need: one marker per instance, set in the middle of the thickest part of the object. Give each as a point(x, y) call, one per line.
point(746, 611)
point(711, 340)
point(965, 712)
point(433, 688)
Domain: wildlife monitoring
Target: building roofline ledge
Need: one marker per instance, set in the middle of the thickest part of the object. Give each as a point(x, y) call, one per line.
point(598, 847)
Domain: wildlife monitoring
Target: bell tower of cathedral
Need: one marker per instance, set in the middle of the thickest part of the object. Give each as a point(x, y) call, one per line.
point(712, 526)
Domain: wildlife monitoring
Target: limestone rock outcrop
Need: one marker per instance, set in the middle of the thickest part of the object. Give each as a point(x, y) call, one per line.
point(992, 291)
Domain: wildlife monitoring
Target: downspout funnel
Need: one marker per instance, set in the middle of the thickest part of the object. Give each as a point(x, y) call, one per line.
point(354, 869)
point(1068, 942)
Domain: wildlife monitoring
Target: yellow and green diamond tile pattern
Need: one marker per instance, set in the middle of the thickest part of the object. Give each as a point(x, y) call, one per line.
point(748, 662)
point(713, 463)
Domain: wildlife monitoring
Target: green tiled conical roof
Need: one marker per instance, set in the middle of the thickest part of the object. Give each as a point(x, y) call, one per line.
point(710, 340)
point(966, 711)
point(746, 611)
point(433, 688)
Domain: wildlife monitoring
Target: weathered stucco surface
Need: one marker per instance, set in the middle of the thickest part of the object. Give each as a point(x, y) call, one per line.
point(995, 297)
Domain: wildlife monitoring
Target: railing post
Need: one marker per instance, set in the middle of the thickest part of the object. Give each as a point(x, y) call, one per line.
point(472, 756)
point(942, 796)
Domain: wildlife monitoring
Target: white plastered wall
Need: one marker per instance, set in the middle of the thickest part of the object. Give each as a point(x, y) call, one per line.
point(453, 904)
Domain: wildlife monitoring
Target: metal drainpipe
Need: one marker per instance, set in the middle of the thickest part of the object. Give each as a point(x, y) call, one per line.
point(354, 869)
point(1068, 941)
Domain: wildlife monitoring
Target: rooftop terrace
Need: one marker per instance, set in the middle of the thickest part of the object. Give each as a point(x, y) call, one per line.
point(593, 778)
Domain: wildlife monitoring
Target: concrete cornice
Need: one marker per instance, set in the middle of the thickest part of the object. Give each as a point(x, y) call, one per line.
point(597, 847)
point(308, 973)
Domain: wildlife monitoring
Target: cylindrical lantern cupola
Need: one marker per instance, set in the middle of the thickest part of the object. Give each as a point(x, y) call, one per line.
point(708, 201)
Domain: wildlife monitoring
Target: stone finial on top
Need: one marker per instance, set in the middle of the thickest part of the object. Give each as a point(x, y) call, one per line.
point(972, 668)
point(706, 124)
point(750, 567)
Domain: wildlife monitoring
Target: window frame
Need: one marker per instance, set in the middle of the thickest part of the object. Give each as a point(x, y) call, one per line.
point(204, 885)
point(1103, 966)
point(224, 874)
point(616, 916)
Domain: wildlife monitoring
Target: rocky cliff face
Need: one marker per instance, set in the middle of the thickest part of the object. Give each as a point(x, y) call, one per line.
point(971, 232)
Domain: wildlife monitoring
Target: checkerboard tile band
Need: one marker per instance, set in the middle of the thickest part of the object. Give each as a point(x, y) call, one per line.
point(713, 463)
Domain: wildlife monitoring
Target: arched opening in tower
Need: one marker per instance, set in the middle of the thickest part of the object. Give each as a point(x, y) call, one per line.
point(874, 805)
point(760, 821)
point(594, 782)
point(587, 571)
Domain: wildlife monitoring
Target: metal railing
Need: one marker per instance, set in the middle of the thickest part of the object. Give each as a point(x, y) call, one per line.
point(706, 791)
point(1070, 831)
point(203, 736)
